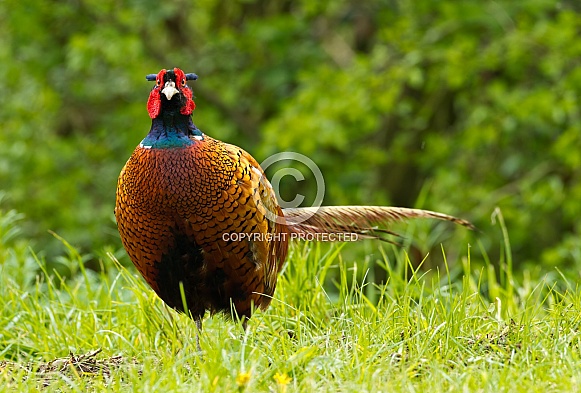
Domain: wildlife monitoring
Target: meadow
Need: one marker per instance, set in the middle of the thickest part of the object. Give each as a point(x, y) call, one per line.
point(328, 329)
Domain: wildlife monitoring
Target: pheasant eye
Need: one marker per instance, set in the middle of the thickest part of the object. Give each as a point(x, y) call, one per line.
point(184, 82)
point(157, 82)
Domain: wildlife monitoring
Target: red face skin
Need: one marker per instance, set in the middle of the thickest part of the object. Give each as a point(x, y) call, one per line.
point(154, 101)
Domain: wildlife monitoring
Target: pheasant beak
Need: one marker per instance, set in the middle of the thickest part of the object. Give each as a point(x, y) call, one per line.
point(169, 89)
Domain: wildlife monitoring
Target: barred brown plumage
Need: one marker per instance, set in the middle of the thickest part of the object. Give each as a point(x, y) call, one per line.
point(181, 191)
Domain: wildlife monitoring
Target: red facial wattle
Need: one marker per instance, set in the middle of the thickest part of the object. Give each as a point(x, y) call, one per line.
point(154, 100)
point(190, 105)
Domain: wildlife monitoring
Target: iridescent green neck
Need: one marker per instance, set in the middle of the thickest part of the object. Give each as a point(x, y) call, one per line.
point(169, 132)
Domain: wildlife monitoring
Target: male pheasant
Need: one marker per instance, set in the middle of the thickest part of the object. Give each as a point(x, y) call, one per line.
point(182, 193)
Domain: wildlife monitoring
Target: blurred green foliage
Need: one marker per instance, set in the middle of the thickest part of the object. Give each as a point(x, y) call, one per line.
point(469, 104)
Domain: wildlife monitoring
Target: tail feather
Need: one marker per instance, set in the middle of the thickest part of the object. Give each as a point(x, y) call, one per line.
point(365, 221)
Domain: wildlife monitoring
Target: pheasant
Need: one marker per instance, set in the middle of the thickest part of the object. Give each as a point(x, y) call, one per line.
point(182, 194)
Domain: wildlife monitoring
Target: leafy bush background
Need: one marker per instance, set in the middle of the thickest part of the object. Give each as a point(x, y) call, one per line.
point(459, 106)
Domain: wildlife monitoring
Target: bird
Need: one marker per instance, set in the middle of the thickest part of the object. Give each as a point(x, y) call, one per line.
point(183, 194)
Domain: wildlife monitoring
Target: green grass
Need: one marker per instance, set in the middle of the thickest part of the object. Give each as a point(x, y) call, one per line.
point(460, 330)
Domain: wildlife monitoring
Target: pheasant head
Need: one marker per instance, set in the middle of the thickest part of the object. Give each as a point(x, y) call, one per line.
point(171, 93)
point(170, 106)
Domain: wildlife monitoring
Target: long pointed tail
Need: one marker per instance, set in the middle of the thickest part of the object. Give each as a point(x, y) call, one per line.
point(368, 222)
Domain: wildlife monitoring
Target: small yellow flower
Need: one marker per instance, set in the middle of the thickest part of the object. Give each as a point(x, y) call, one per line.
point(242, 379)
point(282, 379)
